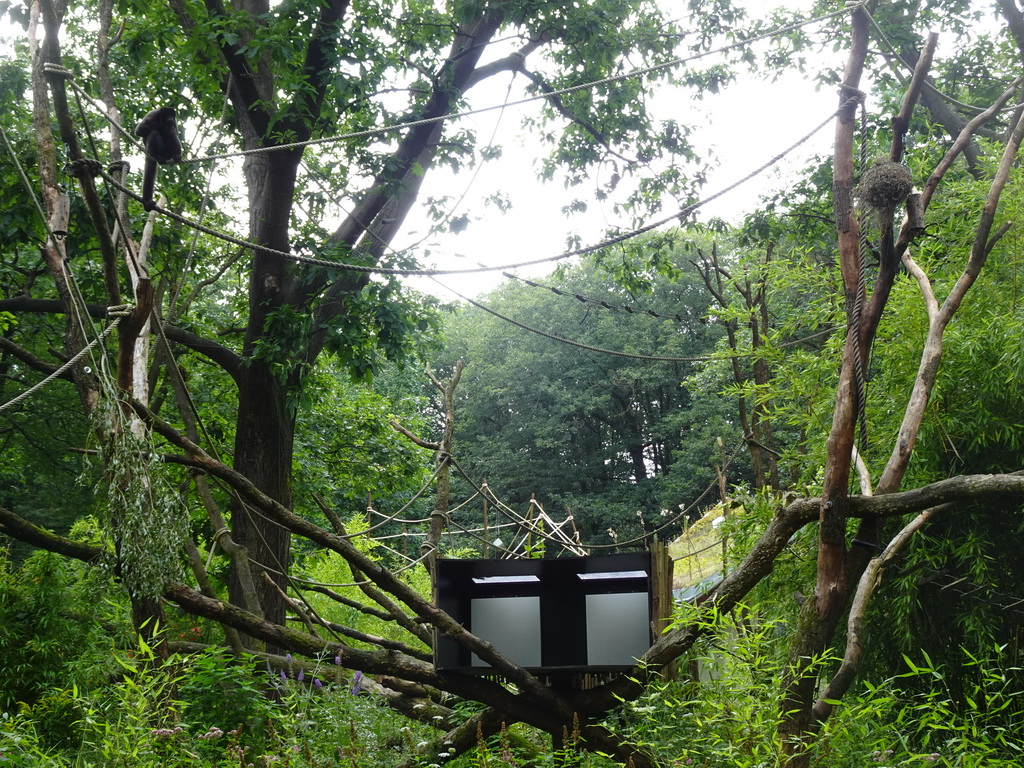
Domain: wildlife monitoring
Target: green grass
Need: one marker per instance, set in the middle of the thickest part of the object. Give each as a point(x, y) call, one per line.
point(698, 552)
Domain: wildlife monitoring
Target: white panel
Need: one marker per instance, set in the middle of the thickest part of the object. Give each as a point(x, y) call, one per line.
point(522, 579)
point(612, 575)
point(510, 624)
point(617, 628)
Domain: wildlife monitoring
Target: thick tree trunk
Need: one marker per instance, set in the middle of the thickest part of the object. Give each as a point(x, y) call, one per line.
point(263, 452)
point(821, 613)
point(264, 433)
point(636, 456)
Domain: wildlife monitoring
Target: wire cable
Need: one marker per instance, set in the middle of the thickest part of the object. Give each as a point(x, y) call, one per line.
point(630, 310)
point(616, 353)
point(400, 126)
point(371, 269)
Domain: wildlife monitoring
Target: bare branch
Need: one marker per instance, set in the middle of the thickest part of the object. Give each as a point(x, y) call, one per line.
point(418, 440)
point(869, 580)
point(962, 141)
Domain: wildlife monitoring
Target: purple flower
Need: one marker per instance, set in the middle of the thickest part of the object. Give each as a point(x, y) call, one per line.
point(283, 676)
point(302, 675)
point(357, 680)
point(318, 684)
point(337, 660)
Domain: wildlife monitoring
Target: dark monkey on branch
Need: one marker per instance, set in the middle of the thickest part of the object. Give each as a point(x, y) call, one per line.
point(159, 131)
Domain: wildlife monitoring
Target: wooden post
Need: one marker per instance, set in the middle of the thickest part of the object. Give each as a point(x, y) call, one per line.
point(662, 571)
point(529, 525)
point(723, 489)
point(487, 532)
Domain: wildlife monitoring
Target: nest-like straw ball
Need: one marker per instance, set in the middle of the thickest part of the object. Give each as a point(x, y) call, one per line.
point(885, 185)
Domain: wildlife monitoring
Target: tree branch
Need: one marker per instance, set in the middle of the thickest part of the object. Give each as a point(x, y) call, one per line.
point(939, 318)
point(21, 529)
point(374, 570)
point(568, 114)
point(211, 350)
point(869, 580)
point(31, 360)
point(514, 62)
point(217, 353)
point(417, 440)
point(368, 230)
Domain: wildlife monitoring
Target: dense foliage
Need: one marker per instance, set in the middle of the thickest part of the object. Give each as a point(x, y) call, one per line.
point(592, 432)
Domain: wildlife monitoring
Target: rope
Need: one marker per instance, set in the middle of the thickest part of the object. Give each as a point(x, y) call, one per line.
point(652, 313)
point(521, 522)
point(80, 314)
point(217, 536)
point(862, 287)
point(570, 342)
point(93, 167)
point(698, 551)
point(68, 75)
point(553, 94)
point(616, 353)
point(682, 513)
point(202, 212)
point(930, 86)
point(365, 269)
point(394, 518)
point(57, 373)
point(599, 302)
point(638, 540)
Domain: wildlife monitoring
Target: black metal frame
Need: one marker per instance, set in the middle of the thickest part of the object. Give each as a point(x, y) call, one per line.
point(563, 602)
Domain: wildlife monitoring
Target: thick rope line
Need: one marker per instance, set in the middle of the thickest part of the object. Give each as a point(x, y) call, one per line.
point(862, 288)
point(518, 520)
point(695, 552)
point(930, 86)
point(69, 364)
point(636, 73)
point(684, 511)
point(615, 353)
point(171, 306)
point(53, 69)
point(80, 313)
point(365, 269)
point(394, 518)
point(629, 542)
point(570, 342)
point(635, 311)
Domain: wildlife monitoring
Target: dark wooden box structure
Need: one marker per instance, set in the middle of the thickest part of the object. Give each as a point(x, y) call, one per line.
point(572, 614)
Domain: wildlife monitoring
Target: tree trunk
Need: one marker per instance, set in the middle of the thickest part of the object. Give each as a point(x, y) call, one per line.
point(821, 613)
point(264, 434)
point(263, 453)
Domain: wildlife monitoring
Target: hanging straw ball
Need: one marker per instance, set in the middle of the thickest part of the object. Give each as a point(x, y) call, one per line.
point(885, 185)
